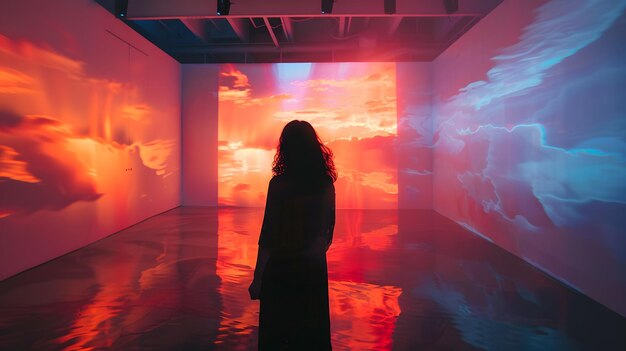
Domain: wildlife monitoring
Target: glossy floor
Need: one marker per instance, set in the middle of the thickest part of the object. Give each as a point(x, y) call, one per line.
point(401, 280)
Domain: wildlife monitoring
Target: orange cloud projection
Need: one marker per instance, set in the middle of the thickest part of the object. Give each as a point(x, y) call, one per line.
point(351, 105)
point(67, 135)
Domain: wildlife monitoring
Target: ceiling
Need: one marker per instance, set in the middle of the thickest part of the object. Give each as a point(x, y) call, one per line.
point(297, 31)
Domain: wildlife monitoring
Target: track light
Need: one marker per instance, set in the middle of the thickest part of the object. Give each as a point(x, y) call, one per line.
point(327, 6)
point(223, 7)
point(121, 8)
point(390, 7)
point(451, 6)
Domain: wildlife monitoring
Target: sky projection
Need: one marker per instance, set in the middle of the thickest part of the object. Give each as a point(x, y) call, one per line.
point(530, 138)
point(55, 119)
point(351, 105)
point(80, 154)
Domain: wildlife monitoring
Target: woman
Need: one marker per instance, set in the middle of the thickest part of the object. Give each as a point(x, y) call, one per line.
point(291, 278)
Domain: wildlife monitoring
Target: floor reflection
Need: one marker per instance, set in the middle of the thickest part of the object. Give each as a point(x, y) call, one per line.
point(399, 280)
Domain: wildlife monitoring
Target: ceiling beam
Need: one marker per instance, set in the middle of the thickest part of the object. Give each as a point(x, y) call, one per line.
point(291, 48)
point(287, 28)
point(394, 24)
point(240, 27)
point(198, 28)
point(271, 31)
point(366, 22)
point(167, 9)
point(342, 26)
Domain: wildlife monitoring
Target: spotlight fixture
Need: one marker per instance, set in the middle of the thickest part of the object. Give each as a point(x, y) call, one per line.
point(390, 7)
point(121, 8)
point(451, 6)
point(223, 7)
point(327, 6)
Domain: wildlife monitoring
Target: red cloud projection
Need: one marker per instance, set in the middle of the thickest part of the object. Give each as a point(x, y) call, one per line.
point(37, 171)
point(351, 105)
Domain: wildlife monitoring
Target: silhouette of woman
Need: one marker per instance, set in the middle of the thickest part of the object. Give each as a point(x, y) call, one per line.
point(291, 276)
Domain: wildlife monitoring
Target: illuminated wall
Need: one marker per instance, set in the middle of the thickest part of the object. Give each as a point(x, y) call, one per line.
point(530, 138)
point(199, 85)
point(414, 145)
point(351, 105)
point(89, 129)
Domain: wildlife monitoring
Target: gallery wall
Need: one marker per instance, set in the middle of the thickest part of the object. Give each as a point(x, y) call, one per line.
point(89, 129)
point(414, 145)
point(530, 138)
point(199, 134)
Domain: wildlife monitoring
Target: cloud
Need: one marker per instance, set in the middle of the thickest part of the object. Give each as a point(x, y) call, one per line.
point(241, 187)
point(272, 99)
point(243, 174)
point(47, 176)
point(42, 163)
point(228, 164)
point(33, 54)
point(325, 84)
point(343, 122)
point(234, 78)
point(12, 167)
point(137, 112)
point(154, 154)
point(380, 180)
point(571, 27)
point(385, 106)
point(16, 82)
point(550, 181)
point(234, 85)
point(497, 157)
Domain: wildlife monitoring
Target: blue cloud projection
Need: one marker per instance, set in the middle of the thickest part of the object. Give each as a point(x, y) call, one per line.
point(560, 30)
point(534, 156)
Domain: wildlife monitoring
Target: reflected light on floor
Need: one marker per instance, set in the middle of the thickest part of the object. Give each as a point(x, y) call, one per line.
point(401, 280)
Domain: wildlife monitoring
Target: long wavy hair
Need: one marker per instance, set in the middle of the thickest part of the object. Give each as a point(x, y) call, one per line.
point(300, 152)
